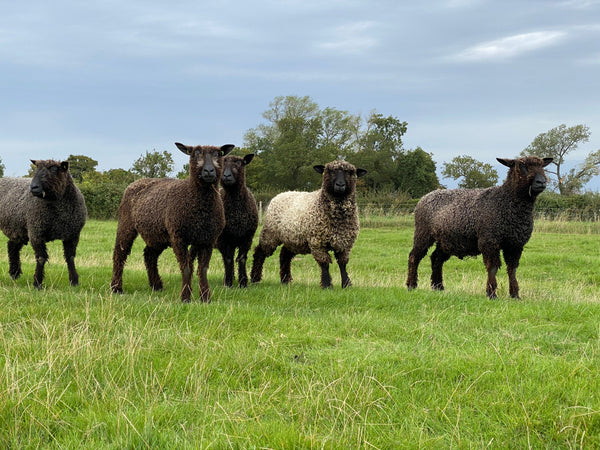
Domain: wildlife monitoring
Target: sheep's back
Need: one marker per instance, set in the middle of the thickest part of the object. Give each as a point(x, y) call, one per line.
point(14, 195)
point(452, 218)
point(288, 220)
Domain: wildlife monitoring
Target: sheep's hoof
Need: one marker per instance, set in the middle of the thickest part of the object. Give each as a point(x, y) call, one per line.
point(116, 289)
point(15, 275)
point(437, 286)
point(411, 288)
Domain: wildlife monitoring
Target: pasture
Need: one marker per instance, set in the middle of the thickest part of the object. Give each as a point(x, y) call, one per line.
point(272, 366)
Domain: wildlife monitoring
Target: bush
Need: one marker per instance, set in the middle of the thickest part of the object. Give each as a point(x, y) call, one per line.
point(102, 200)
point(551, 205)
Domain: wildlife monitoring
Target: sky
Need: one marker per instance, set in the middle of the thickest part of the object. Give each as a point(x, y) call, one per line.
point(112, 79)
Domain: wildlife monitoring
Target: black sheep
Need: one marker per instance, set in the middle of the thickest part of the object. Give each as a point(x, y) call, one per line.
point(186, 215)
point(469, 222)
point(42, 209)
point(241, 218)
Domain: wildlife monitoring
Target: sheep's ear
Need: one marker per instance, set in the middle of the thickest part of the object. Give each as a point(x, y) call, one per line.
point(34, 162)
point(360, 172)
point(320, 168)
point(226, 148)
point(547, 161)
point(248, 158)
point(506, 162)
point(64, 166)
point(184, 148)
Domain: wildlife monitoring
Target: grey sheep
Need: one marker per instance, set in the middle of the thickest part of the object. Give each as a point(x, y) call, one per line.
point(42, 209)
point(241, 218)
point(313, 222)
point(469, 222)
point(186, 215)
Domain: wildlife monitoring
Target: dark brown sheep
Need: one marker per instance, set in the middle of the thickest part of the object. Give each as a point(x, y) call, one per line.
point(241, 218)
point(186, 215)
point(469, 222)
point(42, 209)
point(313, 222)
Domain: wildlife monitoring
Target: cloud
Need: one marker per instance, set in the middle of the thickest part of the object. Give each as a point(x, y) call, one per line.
point(511, 46)
point(351, 38)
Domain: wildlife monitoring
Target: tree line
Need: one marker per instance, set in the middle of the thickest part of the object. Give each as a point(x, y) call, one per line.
point(297, 134)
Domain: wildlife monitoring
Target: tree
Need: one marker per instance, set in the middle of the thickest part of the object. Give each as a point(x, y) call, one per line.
point(380, 145)
point(559, 142)
point(292, 142)
point(2, 167)
point(415, 173)
point(475, 174)
point(79, 165)
point(153, 165)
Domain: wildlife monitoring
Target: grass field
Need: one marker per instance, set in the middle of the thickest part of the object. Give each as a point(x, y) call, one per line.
point(372, 366)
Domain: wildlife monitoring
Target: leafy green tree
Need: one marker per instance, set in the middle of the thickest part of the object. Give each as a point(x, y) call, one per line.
point(80, 165)
point(474, 174)
point(153, 165)
point(380, 145)
point(415, 173)
point(557, 144)
point(289, 144)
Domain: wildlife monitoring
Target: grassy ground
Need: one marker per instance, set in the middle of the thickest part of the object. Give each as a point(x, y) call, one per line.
point(372, 366)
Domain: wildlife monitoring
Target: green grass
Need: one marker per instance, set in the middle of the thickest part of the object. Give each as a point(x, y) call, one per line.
point(372, 366)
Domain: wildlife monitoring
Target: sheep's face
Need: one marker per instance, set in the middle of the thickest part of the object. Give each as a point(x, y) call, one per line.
point(527, 174)
point(50, 179)
point(234, 171)
point(339, 178)
point(205, 161)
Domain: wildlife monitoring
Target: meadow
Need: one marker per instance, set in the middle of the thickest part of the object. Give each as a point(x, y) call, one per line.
point(272, 366)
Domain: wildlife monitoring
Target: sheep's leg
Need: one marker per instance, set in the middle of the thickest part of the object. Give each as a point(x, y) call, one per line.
point(186, 266)
point(41, 257)
point(151, 255)
point(285, 265)
point(69, 251)
point(492, 264)
point(323, 259)
point(438, 258)
point(342, 260)
point(204, 254)
point(14, 258)
point(417, 253)
point(123, 244)
point(228, 253)
point(241, 261)
point(261, 253)
point(512, 262)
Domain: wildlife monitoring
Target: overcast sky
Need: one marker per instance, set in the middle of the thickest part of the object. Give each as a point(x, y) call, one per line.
point(111, 79)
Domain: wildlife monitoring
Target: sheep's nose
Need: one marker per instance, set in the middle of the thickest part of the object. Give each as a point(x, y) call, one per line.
point(538, 185)
point(36, 189)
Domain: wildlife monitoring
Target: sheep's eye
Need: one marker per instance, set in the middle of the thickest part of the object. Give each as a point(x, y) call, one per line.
point(523, 169)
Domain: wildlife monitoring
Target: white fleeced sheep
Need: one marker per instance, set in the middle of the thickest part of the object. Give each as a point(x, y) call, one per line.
point(313, 222)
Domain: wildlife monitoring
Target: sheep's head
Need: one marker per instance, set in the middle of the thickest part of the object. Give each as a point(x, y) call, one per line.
point(339, 177)
point(50, 179)
point(205, 161)
point(526, 174)
point(234, 172)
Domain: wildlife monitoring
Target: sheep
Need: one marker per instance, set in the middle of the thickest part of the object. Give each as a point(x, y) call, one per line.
point(469, 222)
point(42, 209)
point(241, 218)
point(174, 213)
point(312, 222)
